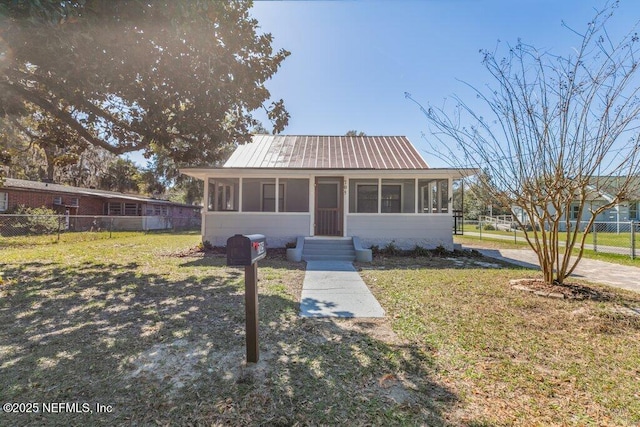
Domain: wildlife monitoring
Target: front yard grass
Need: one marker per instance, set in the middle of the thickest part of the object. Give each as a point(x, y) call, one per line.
point(157, 333)
point(515, 358)
point(621, 239)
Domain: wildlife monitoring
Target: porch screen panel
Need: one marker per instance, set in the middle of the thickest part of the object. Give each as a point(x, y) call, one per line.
point(269, 197)
point(223, 194)
point(258, 195)
point(433, 196)
point(398, 196)
point(296, 194)
point(363, 196)
point(443, 193)
point(391, 198)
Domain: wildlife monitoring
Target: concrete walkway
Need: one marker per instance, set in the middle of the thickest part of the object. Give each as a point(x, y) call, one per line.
point(619, 276)
point(335, 289)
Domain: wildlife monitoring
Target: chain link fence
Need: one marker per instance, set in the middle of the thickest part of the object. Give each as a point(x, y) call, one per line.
point(33, 228)
point(622, 238)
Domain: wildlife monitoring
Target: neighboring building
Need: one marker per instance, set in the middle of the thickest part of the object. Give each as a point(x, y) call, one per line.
point(376, 188)
point(75, 201)
point(602, 192)
point(627, 210)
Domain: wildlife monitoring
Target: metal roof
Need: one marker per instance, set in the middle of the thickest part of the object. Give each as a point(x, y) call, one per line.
point(327, 152)
point(12, 183)
point(611, 185)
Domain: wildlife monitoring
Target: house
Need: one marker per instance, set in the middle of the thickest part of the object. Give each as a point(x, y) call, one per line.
point(376, 188)
point(602, 190)
point(625, 211)
point(75, 202)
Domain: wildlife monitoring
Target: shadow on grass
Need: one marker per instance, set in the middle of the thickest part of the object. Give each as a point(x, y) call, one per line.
point(161, 350)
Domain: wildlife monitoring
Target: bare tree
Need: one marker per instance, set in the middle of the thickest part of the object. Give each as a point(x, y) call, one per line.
point(559, 123)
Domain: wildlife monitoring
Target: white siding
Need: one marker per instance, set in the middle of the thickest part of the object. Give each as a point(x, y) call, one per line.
point(406, 231)
point(278, 228)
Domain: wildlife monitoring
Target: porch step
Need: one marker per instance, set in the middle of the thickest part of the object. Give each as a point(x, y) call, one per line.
point(318, 249)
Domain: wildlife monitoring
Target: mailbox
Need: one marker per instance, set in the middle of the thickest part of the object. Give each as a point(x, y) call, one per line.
point(245, 249)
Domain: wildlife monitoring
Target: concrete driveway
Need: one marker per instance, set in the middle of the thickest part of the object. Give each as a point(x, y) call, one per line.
point(619, 276)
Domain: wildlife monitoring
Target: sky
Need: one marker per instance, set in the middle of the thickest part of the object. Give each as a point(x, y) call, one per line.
point(352, 61)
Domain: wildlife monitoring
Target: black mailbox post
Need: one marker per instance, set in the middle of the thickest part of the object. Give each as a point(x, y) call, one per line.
point(247, 250)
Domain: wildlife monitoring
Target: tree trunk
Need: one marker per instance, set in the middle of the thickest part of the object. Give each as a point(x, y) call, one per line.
point(49, 156)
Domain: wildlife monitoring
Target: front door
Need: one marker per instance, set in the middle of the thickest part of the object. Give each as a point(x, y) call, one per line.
point(328, 215)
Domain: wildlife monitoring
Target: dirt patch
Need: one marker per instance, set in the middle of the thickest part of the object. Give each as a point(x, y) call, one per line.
point(563, 291)
point(378, 329)
point(173, 363)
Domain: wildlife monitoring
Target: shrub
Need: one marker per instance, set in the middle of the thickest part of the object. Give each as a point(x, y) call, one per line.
point(440, 251)
point(391, 249)
point(205, 246)
point(375, 250)
point(420, 251)
point(35, 221)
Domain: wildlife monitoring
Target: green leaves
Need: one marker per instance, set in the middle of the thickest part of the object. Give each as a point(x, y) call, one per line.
point(133, 75)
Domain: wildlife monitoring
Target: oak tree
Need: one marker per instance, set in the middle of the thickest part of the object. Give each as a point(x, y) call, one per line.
point(179, 77)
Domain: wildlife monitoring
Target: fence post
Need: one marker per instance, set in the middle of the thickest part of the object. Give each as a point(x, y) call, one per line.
point(633, 240)
point(59, 223)
point(515, 236)
point(595, 237)
point(110, 227)
point(480, 227)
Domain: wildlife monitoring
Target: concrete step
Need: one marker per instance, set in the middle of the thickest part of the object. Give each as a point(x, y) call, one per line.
point(318, 249)
point(332, 257)
point(314, 242)
point(329, 251)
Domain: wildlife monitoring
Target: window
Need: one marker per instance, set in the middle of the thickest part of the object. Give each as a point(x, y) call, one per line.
point(114, 208)
point(131, 209)
point(367, 198)
point(395, 196)
point(160, 210)
point(633, 210)
point(4, 201)
point(258, 194)
point(57, 200)
point(574, 212)
point(269, 198)
point(73, 201)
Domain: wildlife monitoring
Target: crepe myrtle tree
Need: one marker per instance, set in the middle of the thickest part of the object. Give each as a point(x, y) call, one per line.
point(559, 124)
point(179, 77)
